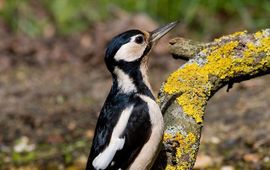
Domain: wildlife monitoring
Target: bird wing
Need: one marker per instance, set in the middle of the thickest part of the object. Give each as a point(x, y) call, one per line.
point(136, 134)
point(119, 137)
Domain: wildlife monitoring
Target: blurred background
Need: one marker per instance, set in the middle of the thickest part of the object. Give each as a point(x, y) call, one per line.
point(53, 81)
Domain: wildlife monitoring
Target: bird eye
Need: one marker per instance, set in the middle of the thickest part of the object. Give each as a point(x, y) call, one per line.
point(139, 40)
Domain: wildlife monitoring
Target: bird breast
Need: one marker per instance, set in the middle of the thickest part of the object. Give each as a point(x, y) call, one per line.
point(149, 150)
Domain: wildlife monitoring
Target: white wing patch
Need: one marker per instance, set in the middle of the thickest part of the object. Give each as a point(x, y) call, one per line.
point(116, 143)
point(104, 158)
point(130, 51)
point(125, 83)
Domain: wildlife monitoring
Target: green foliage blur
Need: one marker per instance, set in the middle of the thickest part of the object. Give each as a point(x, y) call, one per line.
point(71, 16)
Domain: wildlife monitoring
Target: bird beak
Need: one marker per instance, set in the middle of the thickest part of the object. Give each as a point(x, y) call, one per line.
point(161, 31)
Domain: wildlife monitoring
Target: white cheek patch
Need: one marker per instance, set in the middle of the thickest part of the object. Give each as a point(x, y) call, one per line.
point(130, 51)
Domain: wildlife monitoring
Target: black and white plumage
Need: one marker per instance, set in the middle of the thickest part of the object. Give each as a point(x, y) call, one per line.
point(130, 125)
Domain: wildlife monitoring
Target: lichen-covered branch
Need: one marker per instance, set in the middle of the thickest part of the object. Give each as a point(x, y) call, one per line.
point(184, 95)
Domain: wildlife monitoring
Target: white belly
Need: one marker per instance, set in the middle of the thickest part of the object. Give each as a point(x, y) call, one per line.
point(149, 150)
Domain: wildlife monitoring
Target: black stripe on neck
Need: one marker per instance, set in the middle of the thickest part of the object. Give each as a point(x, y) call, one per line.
point(132, 69)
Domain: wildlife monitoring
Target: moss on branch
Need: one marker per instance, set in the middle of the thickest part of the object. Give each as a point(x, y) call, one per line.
point(232, 58)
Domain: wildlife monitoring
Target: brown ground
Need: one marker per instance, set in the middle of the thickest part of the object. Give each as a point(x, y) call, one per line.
point(51, 91)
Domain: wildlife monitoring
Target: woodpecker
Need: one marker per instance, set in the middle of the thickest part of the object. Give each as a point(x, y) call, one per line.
point(130, 125)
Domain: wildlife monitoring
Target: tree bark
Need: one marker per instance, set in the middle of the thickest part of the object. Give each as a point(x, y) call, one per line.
point(183, 97)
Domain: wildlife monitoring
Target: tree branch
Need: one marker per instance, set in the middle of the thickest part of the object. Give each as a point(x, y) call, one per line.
point(183, 97)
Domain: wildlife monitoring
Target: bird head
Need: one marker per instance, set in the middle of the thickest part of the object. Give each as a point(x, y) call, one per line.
point(128, 49)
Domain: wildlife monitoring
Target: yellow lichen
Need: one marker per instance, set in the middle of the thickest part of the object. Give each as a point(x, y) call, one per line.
point(158, 100)
point(183, 166)
point(192, 83)
point(258, 34)
point(167, 136)
point(236, 34)
point(184, 147)
point(170, 167)
point(188, 81)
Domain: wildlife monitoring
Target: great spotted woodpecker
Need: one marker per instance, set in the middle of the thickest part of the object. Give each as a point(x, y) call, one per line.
point(130, 126)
